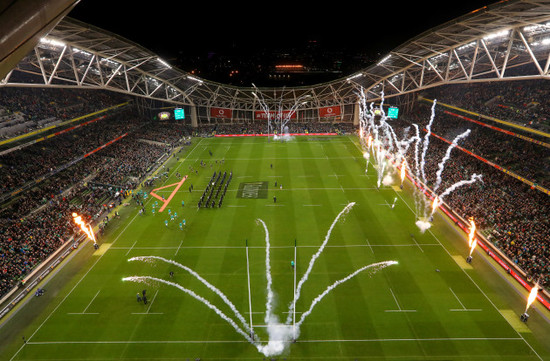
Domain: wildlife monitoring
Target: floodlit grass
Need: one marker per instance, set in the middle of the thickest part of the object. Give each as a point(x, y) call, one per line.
point(407, 311)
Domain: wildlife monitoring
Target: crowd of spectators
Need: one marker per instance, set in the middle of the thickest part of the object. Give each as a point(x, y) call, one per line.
point(36, 222)
point(529, 160)
point(38, 107)
point(524, 102)
point(260, 127)
point(44, 157)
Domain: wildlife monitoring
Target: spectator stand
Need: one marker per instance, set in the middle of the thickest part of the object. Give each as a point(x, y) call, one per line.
point(38, 277)
point(501, 203)
point(491, 250)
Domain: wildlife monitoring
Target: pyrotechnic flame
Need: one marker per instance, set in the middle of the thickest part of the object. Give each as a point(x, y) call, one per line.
point(403, 170)
point(472, 234)
point(473, 246)
point(435, 204)
point(84, 227)
point(532, 296)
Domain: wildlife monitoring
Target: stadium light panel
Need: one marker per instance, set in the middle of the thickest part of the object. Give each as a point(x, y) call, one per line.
point(497, 35)
point(83, 52)
point(111, 63)
point(354, 76)
point(545, 41)
point(53, 42)
point(194, 79)
point(164, 63)
point(466, 46)
point(386, 58)
point(542, 28)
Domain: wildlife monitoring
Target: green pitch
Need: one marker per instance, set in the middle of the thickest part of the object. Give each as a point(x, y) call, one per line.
point(430, 306)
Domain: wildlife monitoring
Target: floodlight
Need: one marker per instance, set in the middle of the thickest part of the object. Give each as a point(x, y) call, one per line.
point(384, 59)
point(164, 63)
point(194, 79)
point(498, 34)
point(53, 42)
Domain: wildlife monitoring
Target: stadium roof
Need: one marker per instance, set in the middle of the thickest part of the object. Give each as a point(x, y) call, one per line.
point(507, 40)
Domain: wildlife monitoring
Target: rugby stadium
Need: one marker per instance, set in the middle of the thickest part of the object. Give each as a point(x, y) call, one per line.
point(398, 213)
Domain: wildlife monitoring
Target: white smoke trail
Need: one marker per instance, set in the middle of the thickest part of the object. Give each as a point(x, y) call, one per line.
point(388, 180)
point(441, 164)
point(278, 334)
point(270, 295)
point(416, 150)
point(382, 104)
point(205, 282)
point(427, 142)
point(312, 261)
point(423, 225)
point(418, 198)
point(375, 267)
point(280, 337)
point(199, 298)
point(475, 177)
point(381, 169)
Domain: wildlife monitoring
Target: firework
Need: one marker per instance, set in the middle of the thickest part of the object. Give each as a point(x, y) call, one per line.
point(403, 170)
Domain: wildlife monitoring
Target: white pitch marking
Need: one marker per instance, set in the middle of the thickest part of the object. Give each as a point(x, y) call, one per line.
point(484, 339)
point(86, 309)
point(129, 250)
point(399, 309)
point(177, 250)
point(149, 308)
point(461, 304)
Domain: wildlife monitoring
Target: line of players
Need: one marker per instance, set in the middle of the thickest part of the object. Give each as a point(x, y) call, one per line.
point(173, 216)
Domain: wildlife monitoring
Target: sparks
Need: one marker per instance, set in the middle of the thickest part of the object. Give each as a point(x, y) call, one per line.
point(435, 204)
point(403, 170)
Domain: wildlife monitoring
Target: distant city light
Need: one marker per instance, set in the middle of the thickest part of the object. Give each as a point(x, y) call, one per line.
point(291, 67)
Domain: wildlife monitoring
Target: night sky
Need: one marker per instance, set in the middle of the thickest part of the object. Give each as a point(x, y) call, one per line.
point(201, 27)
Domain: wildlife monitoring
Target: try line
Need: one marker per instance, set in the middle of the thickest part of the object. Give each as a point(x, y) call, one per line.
point(442, 339)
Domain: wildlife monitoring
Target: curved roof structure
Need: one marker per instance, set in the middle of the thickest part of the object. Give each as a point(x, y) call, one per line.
point(510, 39)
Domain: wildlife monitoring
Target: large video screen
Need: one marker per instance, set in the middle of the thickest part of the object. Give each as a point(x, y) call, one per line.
point(179, 114)
point(393, 112)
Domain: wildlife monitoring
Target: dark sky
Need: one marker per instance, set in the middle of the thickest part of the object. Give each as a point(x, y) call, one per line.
point(205, 26)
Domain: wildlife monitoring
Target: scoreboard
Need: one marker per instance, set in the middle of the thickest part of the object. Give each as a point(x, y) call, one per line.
point(179, 114)
point(393, 112)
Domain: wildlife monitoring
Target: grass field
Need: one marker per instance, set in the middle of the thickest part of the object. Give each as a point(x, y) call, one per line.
point(430, 306)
